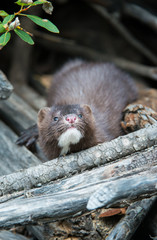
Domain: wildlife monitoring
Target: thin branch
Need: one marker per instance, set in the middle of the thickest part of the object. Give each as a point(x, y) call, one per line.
point(137, 68)
point(65, 45)
point(125, 33)
point(141, 14)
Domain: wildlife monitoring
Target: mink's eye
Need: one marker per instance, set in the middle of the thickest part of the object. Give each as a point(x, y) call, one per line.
point(80, 116)
point(55, 119)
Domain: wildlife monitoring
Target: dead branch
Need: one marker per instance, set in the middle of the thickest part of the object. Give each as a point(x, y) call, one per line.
point(69, 46)
point(137, 68)
point(141, 14)
point(125, 33)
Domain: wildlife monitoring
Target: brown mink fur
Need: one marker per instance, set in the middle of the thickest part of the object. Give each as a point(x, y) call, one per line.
point(85, 105)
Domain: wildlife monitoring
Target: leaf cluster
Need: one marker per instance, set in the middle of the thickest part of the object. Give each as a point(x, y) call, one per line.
point(12, 23)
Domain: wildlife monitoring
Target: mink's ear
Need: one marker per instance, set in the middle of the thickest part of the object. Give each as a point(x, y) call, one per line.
point(41, 114)
point(86, 108)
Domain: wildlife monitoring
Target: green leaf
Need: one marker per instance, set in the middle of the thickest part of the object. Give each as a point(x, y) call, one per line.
point(4, 39)
point(43, 23)
point(3, 13)
point(8, 18)
point(24, 36)
point(2, 28)
point(38, 2)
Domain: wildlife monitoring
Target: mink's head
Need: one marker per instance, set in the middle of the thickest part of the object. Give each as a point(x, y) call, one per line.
point(62, 126)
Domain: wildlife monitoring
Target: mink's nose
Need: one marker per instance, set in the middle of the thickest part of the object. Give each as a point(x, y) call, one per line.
point(70, 118)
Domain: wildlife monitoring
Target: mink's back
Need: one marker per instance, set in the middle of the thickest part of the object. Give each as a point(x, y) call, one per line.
point(104, 87)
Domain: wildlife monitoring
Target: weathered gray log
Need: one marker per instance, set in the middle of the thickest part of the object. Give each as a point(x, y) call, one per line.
point(13, 157)
point(96, 156)
point(110, 194)
point(18, 114)
point(6, 235)
point(70, 196)
point(34, 99)
point(132, 219)
point(5, 86)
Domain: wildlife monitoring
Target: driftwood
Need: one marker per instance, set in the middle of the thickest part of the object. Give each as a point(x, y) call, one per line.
point(5, 86)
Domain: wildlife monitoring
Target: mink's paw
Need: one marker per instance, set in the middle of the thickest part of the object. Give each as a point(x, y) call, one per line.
point(28, 137)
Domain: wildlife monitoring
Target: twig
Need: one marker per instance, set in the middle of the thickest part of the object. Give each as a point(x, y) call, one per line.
point(140, 69)
point(125, 33)
point(141, 14)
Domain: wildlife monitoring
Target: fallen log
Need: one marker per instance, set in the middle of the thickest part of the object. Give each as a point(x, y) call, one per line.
point(5, 87)
point(13, 157)
point(125, 189)
point(69, 197)
point(17, 114)
point(70, 164)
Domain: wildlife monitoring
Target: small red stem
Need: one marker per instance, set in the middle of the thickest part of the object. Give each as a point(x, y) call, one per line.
point(22, 10)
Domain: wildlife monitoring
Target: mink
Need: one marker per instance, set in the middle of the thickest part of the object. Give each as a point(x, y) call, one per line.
point(84, 108)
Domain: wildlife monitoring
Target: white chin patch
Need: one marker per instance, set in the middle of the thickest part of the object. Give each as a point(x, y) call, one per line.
point(70, 136)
